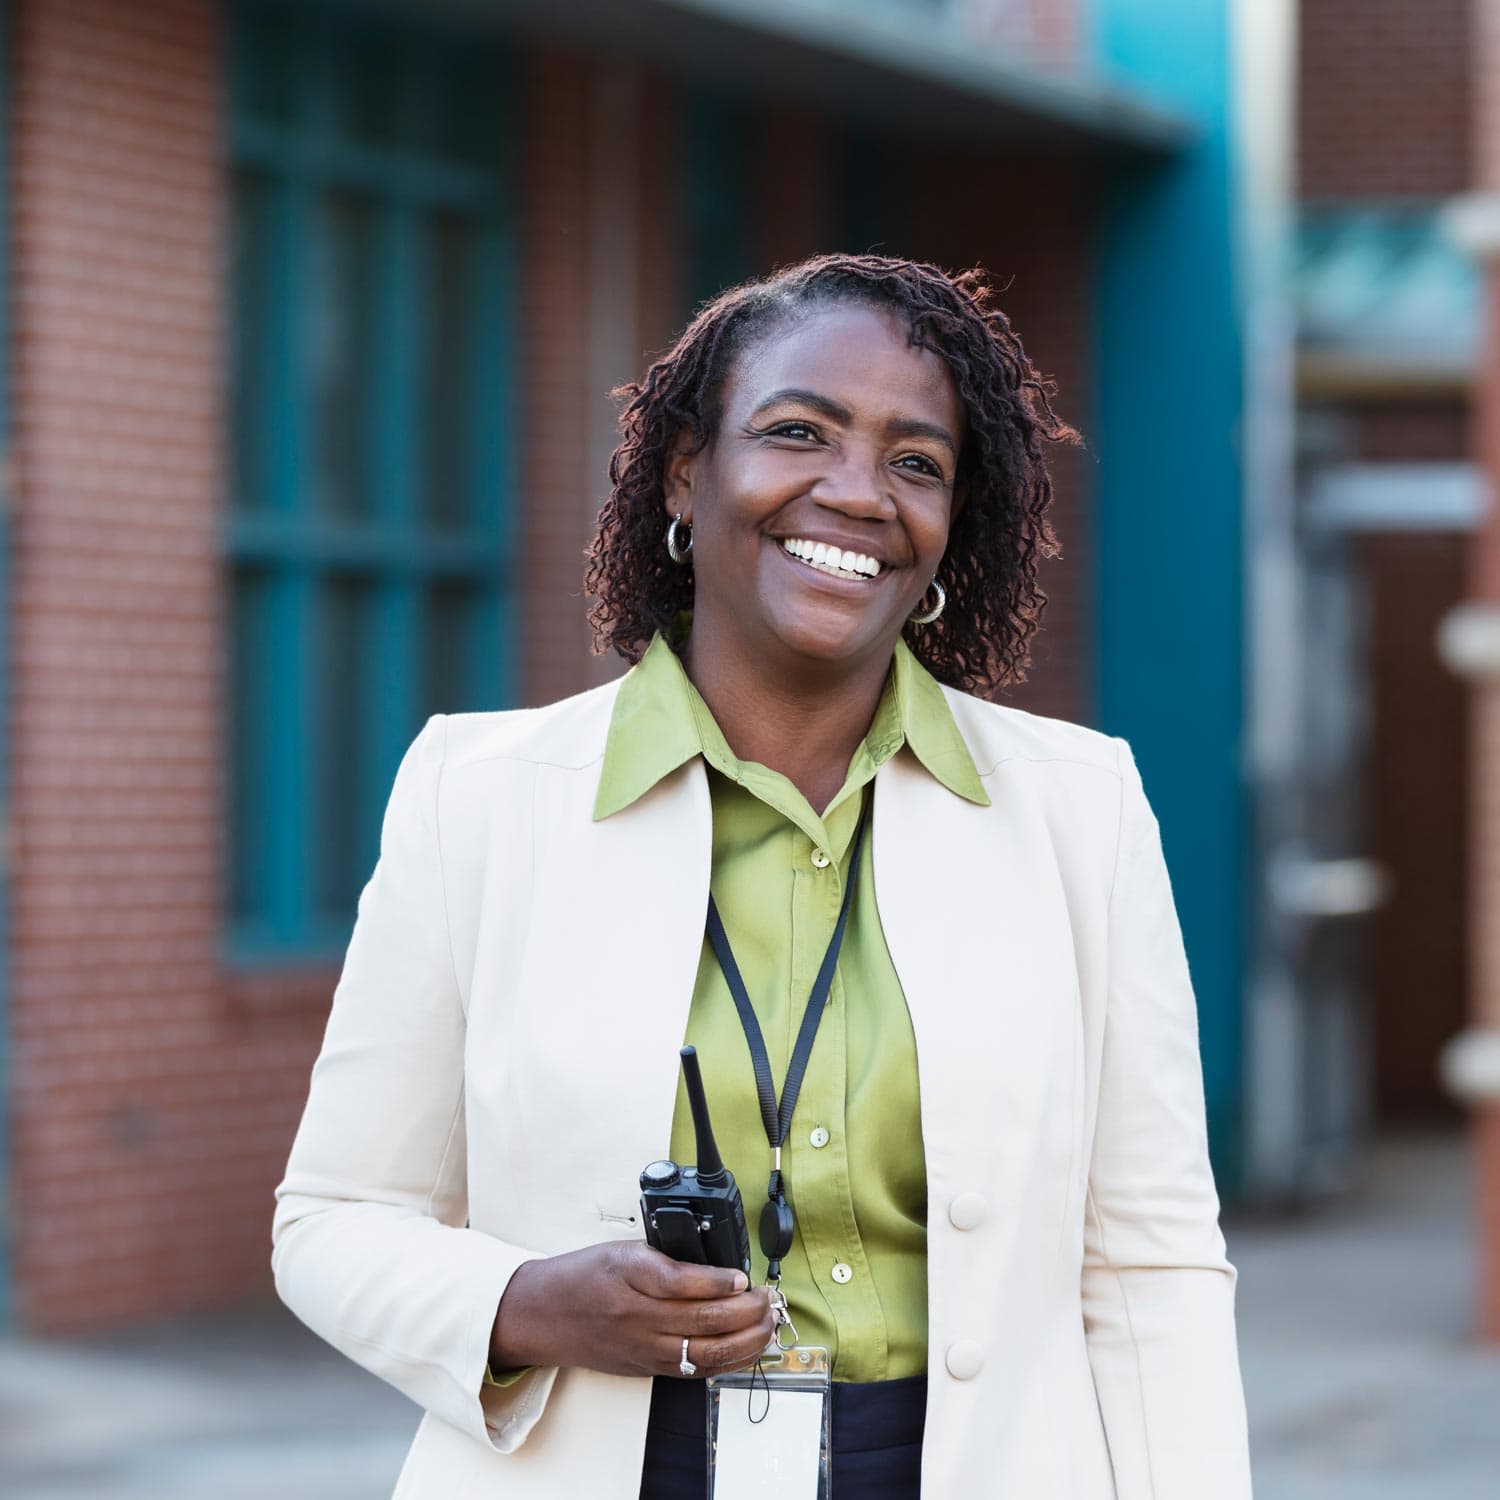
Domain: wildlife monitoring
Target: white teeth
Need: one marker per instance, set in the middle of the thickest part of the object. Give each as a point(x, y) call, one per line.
point(832, 560)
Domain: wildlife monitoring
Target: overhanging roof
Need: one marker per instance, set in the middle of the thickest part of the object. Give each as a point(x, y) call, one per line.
point(885, 66)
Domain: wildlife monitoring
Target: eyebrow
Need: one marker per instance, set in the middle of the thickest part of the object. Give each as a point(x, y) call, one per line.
point(896, 427)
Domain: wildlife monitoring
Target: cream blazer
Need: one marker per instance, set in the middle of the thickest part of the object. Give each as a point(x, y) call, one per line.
point(501, 1060)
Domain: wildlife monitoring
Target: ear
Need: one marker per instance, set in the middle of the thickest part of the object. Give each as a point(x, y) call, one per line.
point(678, 473)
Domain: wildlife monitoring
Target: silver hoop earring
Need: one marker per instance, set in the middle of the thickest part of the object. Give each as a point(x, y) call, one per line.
point(678, 553)
point(936, 610)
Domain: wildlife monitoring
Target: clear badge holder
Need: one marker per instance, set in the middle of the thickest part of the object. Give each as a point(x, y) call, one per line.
point(769, 1428)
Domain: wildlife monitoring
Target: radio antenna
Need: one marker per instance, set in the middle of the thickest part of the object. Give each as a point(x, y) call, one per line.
point(711, 1171)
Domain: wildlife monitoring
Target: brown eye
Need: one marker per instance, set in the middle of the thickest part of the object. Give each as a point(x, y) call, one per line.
point(921, 458)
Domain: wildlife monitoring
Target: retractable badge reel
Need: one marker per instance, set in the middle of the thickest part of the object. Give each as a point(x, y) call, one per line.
point(770, 1428)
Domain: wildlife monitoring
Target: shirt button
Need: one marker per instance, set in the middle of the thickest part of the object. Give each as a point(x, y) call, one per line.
point(965, 1359)
point(818, 1138)
point(820, 859)
point(842, 1273)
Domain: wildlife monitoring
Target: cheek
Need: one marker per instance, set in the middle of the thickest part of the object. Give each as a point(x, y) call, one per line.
point(745, 498)
point(930, 530)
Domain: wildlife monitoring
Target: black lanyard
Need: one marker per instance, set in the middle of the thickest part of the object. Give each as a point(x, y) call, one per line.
point(776, 1223)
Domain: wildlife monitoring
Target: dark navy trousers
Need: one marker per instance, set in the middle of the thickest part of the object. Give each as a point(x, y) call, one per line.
point(876, 1433)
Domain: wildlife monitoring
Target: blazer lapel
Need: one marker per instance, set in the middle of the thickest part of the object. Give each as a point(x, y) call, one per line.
point(973, 914)
point(612, 960)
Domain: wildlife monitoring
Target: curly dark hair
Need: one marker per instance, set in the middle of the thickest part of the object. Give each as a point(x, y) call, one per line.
point(982, 639)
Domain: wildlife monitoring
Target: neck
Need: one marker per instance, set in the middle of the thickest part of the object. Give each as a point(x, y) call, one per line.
point(802, 720)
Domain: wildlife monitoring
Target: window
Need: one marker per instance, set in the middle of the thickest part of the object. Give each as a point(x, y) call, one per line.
point(368, 541)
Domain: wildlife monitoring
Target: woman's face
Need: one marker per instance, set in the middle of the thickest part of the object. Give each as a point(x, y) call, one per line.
point(834, 431)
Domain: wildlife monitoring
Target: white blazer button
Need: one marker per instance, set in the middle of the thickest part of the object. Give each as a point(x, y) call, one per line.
point(842, 1273)
point(965, 1359)
point(968, 1211)
point(818, 1138)
point(820, 859)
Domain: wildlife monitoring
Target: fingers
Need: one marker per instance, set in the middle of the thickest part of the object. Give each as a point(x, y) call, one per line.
point(710, 1319)
point(727, 1323)
point(719, 1354)
point(653, 1274)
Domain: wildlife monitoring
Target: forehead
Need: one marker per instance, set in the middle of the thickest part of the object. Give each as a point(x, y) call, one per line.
point(858, 355)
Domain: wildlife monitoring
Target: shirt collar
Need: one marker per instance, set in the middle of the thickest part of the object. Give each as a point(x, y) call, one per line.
point(660, 722)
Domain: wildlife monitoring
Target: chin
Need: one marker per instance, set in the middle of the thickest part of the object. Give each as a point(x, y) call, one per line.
point(815, 637)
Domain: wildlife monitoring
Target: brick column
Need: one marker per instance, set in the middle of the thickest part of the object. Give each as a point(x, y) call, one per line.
point(1469, 644)
point(131, 1134)
point(556, 225)
point(600, 294)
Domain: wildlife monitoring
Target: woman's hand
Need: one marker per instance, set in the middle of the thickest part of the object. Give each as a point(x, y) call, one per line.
point(624, 1308)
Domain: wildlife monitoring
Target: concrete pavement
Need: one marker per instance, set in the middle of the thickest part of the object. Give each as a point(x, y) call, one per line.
point(1361, 1377)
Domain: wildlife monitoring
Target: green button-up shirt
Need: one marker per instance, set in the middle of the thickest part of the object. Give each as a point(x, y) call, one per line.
point(856, 1276)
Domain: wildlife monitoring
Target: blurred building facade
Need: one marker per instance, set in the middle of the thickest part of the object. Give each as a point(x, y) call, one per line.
point(311, 315)
point(1470, 646)
point(1363, 872)
point(1389, 912)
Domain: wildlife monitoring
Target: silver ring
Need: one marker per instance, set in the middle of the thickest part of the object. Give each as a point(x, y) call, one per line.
point(686, 1365)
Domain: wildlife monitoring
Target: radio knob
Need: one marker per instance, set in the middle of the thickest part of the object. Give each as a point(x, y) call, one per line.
point(660, 1175)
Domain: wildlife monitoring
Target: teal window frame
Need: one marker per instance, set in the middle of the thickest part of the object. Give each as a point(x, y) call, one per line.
point(369, 532)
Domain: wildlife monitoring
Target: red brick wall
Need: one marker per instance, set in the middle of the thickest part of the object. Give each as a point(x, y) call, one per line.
point(793, 187)
point(151, 1105)
point(554, 320)
point(1041, 273)
point(569, 288)
point(1384, 97)
point(659, 264)
point(155, 1095)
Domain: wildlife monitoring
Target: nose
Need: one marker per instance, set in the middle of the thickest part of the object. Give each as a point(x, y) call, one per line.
point(855, 483)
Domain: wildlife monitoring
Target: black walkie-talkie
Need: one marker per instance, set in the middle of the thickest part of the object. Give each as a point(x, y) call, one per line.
point(695, 1213)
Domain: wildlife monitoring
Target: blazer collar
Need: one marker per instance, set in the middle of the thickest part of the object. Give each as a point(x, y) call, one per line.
point(660, 722)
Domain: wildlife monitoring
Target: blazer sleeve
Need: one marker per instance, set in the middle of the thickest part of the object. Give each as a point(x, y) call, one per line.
point(370, 1244)
point(1158, 1291)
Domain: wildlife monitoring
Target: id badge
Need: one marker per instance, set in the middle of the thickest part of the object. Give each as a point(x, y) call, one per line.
point(769, 1428)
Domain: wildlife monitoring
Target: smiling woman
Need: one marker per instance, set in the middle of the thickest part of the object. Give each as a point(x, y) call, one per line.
point(924, 946)
point(906, 368)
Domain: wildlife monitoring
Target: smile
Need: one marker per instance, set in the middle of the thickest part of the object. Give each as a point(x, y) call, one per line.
point(830, 560)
